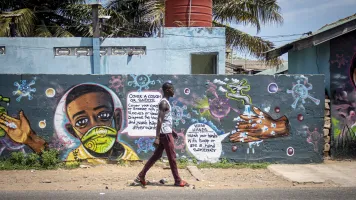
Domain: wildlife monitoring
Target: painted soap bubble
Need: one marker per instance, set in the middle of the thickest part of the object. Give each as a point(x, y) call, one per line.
point(50, 92)
point(272, 88)
point(42, 124)
point(234, 148)
point(290, 151)
point(300, 117)
point(277, 109)
point(187, 91)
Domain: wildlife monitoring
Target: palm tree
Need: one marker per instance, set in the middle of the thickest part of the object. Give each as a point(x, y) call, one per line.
point(45, 18)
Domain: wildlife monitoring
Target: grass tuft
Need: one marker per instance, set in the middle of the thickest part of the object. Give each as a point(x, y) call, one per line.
point(222, 164)
point(47, 160)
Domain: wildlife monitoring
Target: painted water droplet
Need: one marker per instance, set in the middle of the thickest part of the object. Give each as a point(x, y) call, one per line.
point(277, 109)
point(290, 151)
point(272, 88)
point(234, 148)
point(300, 117)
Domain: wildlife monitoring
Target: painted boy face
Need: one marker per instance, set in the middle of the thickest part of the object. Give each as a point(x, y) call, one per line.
point(90, 110)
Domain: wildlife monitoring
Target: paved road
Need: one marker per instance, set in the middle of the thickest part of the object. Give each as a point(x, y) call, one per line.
point(275, 194)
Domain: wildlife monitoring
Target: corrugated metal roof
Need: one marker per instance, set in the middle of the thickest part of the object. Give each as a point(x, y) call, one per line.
point(310, 38)
point(275, 70)
point(248, 64)
point(335, 24)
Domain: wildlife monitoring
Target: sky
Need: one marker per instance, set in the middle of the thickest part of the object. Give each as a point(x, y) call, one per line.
point(301, 16)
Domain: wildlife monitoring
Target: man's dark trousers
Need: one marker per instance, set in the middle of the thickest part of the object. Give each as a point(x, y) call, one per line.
point(166, 142)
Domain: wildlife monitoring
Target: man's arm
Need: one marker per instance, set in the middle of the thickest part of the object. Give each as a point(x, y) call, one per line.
point(163, 107)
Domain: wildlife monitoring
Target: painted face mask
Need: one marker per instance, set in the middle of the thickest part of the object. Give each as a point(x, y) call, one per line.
point(99, 139)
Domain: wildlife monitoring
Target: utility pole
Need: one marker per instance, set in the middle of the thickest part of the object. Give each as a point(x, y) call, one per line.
point(95, 13)
point(96, 69)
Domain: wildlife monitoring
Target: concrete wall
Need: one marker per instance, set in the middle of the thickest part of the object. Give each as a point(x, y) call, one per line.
point(343, 96)
point(164, 55)
point(105, 118)
point(314, 60)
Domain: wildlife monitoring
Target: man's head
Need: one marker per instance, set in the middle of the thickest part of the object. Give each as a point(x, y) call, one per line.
point(168, 89)
point(88, 106)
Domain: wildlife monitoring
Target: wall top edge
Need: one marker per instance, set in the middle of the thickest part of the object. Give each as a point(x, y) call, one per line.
point(245, 75)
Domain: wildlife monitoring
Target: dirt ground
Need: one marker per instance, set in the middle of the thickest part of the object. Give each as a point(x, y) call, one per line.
point(116, 177)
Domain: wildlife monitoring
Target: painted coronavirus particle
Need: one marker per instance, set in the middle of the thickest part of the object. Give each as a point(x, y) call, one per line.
point(145, 145)
point(116, 83)
point(24, 90)
point(180, 113)
point(300, 92)
point(142, 82)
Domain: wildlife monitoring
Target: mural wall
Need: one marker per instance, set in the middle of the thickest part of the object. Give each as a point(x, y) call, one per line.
point(343, 99)
point(105, 118)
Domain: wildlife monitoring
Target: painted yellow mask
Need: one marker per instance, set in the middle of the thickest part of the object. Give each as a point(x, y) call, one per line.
point(99, 139)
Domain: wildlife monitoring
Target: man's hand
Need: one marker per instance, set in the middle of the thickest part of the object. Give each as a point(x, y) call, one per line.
point(175, 135)
point(156, 143)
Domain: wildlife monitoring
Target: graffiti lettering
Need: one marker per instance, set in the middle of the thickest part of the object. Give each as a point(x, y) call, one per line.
point(142, 113)
point(203, 142)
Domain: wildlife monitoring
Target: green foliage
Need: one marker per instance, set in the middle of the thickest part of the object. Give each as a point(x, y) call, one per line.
point(69, 165)
point(336, 126)
point(17, 158)
point(33, 160)
point(50, 158)
point(224, 163)
point(182, 163)
point(47, 160)
point(122, 162)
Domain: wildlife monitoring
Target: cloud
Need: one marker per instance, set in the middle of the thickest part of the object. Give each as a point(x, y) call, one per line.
point(220, 82)
point(221, 89)
point(339, 76)
point(235, 80)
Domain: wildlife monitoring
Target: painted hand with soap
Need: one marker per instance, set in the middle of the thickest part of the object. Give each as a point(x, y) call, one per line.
point(257, 125)
point(18, 130)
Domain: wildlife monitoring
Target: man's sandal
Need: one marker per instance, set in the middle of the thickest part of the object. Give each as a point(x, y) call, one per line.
point(182, 184)
point(141, 180)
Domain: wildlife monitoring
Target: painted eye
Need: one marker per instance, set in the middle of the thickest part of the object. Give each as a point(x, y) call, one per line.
point(273, 125)
point(82, 122)
point(104, 115)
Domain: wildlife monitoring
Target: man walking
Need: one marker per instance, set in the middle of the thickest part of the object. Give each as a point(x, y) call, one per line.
point(164, 138)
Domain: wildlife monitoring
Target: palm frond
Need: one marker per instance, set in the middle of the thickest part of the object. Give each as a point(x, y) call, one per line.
point(42, 31)
point(246, 43)
point(153, 13)
point(25, 22)
point(5, 26)
point(254, 12)
point(60, 31)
